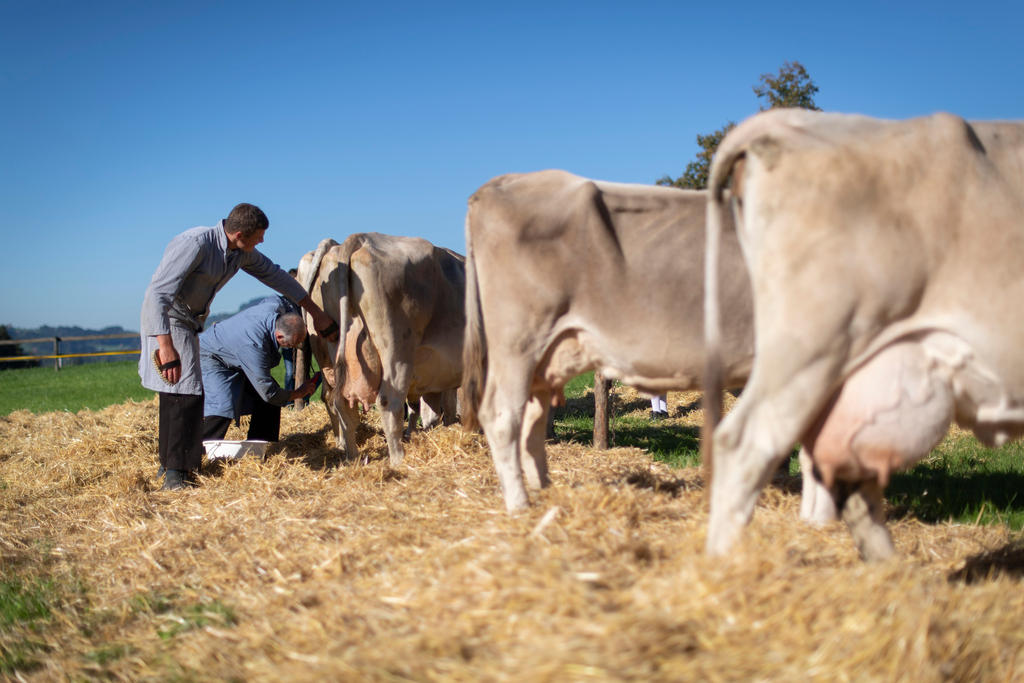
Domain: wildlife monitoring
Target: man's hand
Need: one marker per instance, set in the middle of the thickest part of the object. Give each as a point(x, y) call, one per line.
point(308, 387)
point(322, 322)
point(168, 356)
point(325, 327)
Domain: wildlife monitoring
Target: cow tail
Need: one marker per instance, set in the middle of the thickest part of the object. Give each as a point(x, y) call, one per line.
point(343, 273)
point(307, 276)
point(474, 346)
point(721, 169)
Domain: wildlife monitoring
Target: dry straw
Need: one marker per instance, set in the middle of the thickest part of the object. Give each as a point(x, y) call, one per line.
point(306, 566)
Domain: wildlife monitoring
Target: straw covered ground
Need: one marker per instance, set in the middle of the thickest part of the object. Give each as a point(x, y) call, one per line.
point(306, 566)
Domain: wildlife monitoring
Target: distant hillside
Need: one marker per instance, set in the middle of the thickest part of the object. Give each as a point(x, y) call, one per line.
point(63, 331)
point(88, 346)
point(217, 317)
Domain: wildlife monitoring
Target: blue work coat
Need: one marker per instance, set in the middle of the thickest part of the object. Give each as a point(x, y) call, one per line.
point(239, 348)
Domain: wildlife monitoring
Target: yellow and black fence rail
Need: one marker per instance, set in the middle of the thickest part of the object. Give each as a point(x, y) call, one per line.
point(57, 356)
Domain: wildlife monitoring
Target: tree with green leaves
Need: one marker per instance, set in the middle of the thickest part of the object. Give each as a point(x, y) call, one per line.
point(790, 87)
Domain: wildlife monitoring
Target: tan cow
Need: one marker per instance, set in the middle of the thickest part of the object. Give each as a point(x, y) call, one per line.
point(399, 301)
point(885, 258)
point(566, 274)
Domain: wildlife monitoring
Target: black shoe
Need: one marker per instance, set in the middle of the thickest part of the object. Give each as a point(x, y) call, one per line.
point(179, 479)
point(173, 480)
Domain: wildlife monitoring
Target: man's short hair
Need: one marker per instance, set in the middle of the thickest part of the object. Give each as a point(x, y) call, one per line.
point(292, 326)
point(247, 219)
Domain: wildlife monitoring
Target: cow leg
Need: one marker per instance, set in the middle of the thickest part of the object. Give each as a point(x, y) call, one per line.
point(391, 404)
point(532, 455)
point(501, 416)
point(817, 506)
point(756, 436)
point(347, 424)
point(414, 411)
point(440, 407)
point(864, 514)
point(328, 393)
point(449, 407)
point(431, 410)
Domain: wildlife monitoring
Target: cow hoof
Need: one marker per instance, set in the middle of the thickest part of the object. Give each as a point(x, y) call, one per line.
point(518, 503)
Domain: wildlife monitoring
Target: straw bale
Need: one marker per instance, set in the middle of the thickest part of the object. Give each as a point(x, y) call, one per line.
point(307, 565)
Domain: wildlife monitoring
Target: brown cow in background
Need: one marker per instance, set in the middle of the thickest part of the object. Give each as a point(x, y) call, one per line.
point(399, 302)
point(565, 275)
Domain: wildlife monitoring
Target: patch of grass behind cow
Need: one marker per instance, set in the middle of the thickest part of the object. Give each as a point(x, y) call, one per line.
point(672, 441)
point(963, 481)
point(91, 385)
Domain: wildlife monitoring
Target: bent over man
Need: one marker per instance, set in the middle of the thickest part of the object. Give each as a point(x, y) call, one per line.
point(237, 355)
point(194, 267)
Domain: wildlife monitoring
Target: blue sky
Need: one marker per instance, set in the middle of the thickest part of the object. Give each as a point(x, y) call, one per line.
point(124, 123)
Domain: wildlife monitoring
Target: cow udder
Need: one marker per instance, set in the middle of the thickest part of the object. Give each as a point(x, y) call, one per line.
point(888, 415)
point(362, 367)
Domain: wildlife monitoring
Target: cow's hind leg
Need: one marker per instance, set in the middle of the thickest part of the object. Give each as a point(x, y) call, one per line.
point(817, 506)
point(348, 425)
point(343, 423)
point(532, 455)
point(754, 438)
point(863, 506)
point(501, 415)
point(391, 405)
point(413, 414)
point(449, 407)
point(391, 397)
point(431, 409)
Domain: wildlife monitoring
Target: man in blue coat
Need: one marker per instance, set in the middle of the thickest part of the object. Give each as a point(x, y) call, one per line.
point(237, 355)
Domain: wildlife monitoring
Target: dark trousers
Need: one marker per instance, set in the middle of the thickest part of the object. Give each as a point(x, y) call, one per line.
point(180, 439)
point(265, 424)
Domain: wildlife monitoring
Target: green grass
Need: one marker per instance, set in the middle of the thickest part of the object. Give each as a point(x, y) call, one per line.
point(197, 616)
point(24, 604)
point(107, 654)
point(29, 603)
point(674, 444)
point(92, 385)
point(961, 481)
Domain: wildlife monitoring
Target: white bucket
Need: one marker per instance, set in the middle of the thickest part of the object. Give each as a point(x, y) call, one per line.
point(233, 450)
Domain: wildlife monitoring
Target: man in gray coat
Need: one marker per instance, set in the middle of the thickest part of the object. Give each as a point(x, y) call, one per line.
point(237, 355)
point(195, 265)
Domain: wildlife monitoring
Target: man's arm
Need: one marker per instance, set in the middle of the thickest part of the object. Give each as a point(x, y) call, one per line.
point(322, 322)
point(180, 258)
point(262, 268)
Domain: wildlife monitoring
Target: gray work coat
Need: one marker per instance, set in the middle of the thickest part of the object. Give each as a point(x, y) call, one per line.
point(195, 265)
